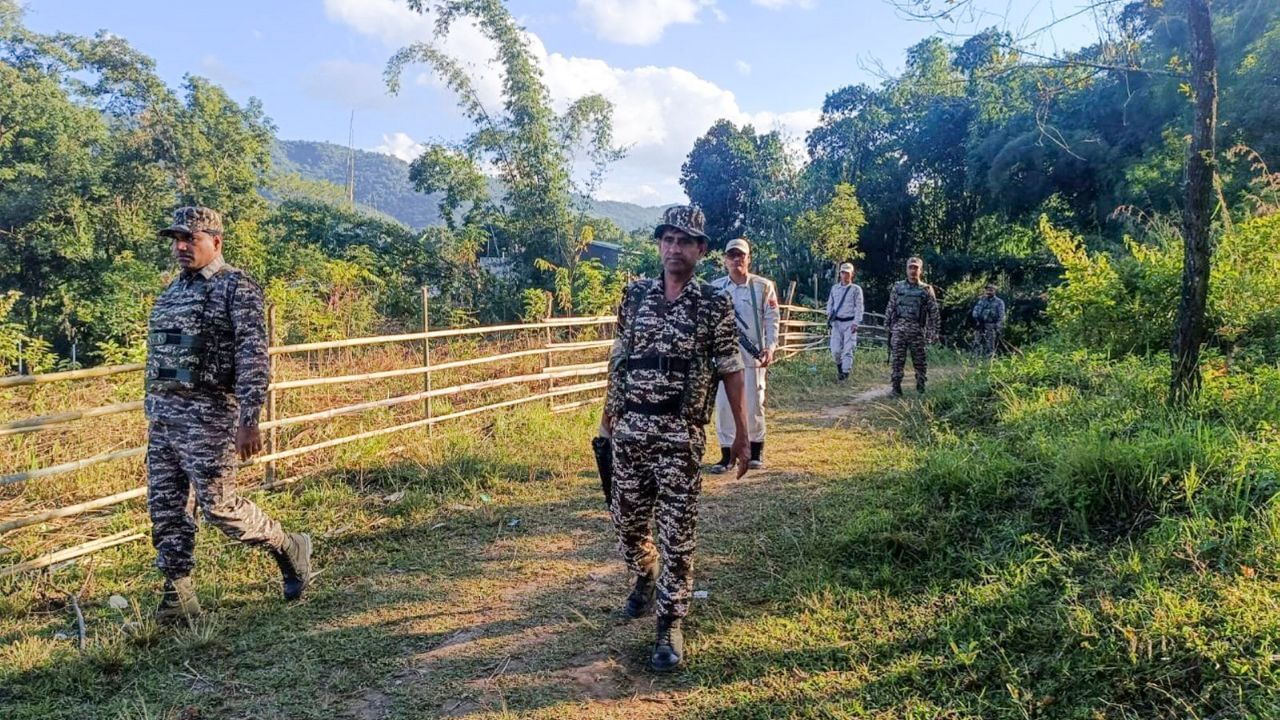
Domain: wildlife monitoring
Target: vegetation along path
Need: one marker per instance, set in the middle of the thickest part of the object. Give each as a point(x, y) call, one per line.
point(492, 590)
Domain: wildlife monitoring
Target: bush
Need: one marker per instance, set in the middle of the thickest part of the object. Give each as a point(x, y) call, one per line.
point(1127, 303)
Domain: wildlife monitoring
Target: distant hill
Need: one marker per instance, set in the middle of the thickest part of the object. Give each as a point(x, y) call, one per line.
point(382, 184)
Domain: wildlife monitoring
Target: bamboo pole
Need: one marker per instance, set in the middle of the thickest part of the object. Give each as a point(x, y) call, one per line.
point(71, 466)
point(546, 358)
point(127, 495)
point(567, 371)
point(70, 510)
point(458, 332)
point(426, 359)
point(574, 405)
point(384, 374)
point(420, 423)
point(269, 475)
point(45, 422)
point(73, 552)
point(19, 380)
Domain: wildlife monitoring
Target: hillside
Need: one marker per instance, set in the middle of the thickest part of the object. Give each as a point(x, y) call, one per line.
point(382, 184)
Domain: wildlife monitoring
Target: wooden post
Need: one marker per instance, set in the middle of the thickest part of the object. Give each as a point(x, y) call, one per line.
point(786, 313)
point(546, 362)
point(269, 477)
point(426, 358)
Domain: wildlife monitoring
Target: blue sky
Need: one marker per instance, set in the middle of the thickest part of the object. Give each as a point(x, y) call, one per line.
point(671, 67)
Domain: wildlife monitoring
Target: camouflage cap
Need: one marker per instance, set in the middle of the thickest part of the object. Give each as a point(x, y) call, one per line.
point(686, 218)
point(193, 219)
point(915, 261)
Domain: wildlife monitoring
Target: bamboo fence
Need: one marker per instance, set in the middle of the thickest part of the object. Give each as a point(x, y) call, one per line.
point(797, 334)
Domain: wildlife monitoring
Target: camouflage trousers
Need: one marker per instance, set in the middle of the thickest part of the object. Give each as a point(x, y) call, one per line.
point(907, 337)
point(180, 456)
point(657, 481)
point(988, 339)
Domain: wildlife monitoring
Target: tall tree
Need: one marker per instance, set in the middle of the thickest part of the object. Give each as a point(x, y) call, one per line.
point(1197, 212)
point(528, 146)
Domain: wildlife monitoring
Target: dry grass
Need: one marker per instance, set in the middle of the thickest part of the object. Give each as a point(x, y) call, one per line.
point(78, 440)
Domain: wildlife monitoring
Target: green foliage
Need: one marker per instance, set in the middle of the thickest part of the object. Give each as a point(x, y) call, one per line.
point(832, 231)
point(528, 146)
point(1126, 303)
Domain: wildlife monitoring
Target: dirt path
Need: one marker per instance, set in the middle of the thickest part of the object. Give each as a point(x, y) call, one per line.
point(531, 628)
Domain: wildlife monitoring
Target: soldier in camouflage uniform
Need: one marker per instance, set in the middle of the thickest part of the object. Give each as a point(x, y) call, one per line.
point(988, 313)
point(675, 334)
point(913, 320)
point(206, 379)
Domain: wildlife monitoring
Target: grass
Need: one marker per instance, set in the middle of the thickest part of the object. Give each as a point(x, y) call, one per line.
point(1040, 540)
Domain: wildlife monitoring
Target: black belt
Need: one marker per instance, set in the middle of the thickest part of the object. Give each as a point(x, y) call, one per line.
point(837, 318)
point(658, 362)
point(666, 407)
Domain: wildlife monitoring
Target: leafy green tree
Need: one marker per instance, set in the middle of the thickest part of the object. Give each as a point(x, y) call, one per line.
point(526, 144)
point(832, 231)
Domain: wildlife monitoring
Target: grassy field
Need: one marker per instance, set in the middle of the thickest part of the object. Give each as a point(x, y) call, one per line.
point(1041, 540)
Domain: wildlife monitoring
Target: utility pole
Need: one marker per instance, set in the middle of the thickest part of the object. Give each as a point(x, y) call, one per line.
point(351, 161)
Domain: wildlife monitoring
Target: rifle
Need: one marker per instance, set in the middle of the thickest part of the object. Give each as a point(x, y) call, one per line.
point(603, 449)
point(745, 340)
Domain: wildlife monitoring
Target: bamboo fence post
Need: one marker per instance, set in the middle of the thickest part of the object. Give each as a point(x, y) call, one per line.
point(426, 358)
point(786, 320)
point(546, 359)
point(269, 476)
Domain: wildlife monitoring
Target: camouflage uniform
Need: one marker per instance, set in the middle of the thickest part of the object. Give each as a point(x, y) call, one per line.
point(989, 314)
point(661, 382)
point(913, 320)
point(206, 373)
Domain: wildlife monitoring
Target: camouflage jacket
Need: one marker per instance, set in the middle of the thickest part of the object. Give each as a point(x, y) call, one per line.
point(207, 348)
point(989, 311)
point(699, 327)
point(913, 304)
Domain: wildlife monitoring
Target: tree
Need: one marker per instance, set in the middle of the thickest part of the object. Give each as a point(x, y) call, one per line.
point(526, 144)
point(1197, 213)
point(832, 231)
point(732, 173)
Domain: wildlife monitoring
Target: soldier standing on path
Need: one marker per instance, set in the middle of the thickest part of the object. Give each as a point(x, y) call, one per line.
point(755, 309)
point(206, 380)
point(844, 314)
point(988, 312)
point(675, 334)
point(913, 320)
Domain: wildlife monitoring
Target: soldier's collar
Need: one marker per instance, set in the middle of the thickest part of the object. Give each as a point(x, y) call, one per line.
point(216, 264)
point(659, 286)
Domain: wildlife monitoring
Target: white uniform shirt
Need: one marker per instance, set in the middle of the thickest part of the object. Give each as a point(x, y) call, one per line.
point(756, 304)
point(845, 301)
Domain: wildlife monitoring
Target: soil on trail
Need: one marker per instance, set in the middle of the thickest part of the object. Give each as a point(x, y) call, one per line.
point(531, 627)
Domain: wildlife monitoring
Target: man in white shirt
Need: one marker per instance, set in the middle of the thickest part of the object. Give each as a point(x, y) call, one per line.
point(755, 305)
point(844, 314)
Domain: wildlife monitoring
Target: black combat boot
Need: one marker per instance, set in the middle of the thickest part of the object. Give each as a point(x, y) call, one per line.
point(920, 386)
point(641, 598)
point(724, 463)
point(757, 456)
point(295, 564)
point(668, 648)
point(897, 388)
point(178, 602)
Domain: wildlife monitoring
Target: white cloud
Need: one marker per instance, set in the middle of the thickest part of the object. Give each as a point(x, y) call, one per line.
point(638, 22)
point(780, 4)
point(392, 22)
point(658, 111)
point(744, 67)
point(400, 145)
